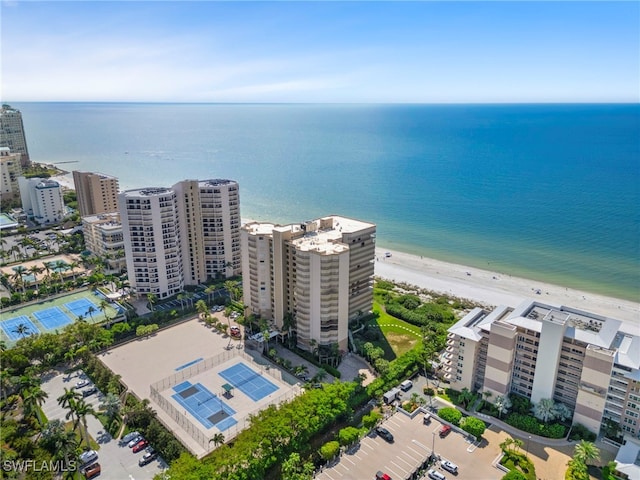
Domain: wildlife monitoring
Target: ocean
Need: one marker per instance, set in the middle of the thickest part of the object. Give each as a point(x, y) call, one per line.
point(546, 192)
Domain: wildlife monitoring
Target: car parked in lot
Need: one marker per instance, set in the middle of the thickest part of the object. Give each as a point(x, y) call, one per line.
point(141, 445)
point(89, 391)
point(384, 433)
point(445, 430)
point(137, 439)
point(435, 475)
point(382, 476)
point(449, 467)
point(88, 456)
point(149, 456)
point(128, 437)
point(81, 384)
point(92, 471)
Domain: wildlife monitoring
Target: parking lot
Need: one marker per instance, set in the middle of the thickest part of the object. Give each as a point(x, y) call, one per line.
point(118, 462)
point(413, 443)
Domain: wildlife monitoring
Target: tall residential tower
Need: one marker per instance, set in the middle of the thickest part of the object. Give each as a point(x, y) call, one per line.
point(317, 275)
point(12, 133)
point(97, 193)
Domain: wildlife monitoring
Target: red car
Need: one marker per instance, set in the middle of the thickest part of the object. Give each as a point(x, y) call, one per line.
point(444, 431)
point(141, 445)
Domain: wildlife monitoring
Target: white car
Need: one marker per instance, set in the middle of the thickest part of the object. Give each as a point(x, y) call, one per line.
point(82, 383)
point(133, 442)
point(88, 457)
point(449, 467)
point(435, 475)
point(128, 437)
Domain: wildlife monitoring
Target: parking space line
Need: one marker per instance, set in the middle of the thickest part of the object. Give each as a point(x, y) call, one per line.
point(410, 464)
point(348, 460)
point(420, 445)
point(400, 467)
point(416, 452)
point(394, 474)
point(368, 446)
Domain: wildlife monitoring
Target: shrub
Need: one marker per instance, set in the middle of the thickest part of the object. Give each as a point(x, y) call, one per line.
point(580, 432)
point(329, 450)
point(473, 425)
point(450, 415)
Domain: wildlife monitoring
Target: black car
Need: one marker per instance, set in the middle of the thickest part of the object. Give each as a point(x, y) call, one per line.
point(89, 391)
point(384, 433)
point(148, 456)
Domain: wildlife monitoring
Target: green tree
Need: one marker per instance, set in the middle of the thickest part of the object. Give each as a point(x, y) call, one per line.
point(294, 469)
point(329, 450)
point(544, 410)
point(473, 425)
point(514, 475)
point(82, 409)
point(217, 439)
point(502, 404)
point(348, 435)
point(450, 414)
point(586, 452)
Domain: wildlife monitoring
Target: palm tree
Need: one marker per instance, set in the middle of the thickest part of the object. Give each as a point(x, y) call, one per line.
point(68, 400)
point(91, 310)
point(217, 439)
point(181, 297)
point(152, 299)
point(104, 305)
point(544, 410)
point(504, 446)
point(72, 266)
point(210, 290)
point(35, 270)
point(20, 271)
point(465, 397)
point(561, 411)
point(202, 308)
point(111, 406)
point(586, 451)
point(22, 329)
point(230, 286)
point(502, 404)
point(83, 409)
point(320, 375)
point(34, 398)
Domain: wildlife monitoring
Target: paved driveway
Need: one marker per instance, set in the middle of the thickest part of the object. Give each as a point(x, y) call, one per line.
point(413, 443)
point(117, 462)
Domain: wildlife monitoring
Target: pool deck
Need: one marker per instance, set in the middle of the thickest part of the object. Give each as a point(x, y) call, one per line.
point(68, 259)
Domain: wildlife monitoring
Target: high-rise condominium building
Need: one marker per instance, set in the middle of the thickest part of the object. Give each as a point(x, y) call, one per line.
point(97, 193)
point(12, 133)
point(316, 276)
point(10, 170)
point(181, 235)
point(42, 199)
point(209, 213)
point(103, 238)
point(588, 362)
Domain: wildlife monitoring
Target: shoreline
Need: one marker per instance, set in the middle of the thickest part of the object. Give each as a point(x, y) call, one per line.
point(493, 289)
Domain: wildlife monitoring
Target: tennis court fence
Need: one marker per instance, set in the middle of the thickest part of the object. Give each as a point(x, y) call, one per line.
point(194, 428)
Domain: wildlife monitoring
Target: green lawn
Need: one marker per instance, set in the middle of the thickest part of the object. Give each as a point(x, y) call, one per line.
point(401, 336)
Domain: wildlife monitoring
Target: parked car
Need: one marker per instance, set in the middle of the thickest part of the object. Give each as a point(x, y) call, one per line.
point(235, 331)
point(435, 475)
point(449, 467)
point(384, 433)
point(149, 456)
point(135, 441)
point(92, 471)
point(445, 430)
point(382, 476)
point(89, 391)
point(128, 437)
point(141, 445)
point(88, 456)
point(426, 419)
point(81, 384)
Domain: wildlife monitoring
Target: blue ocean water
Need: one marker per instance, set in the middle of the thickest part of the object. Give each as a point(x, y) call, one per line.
point(548, 192)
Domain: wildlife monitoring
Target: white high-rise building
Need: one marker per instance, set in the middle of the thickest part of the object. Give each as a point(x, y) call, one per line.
point(317, 275)
point(183, 235)
point(42, 199)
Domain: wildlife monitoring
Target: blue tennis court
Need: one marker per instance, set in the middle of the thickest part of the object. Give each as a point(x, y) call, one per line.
point(10, 327)
point(204, 405)
point(248, 381)
point(52, 318)
point(80, 307)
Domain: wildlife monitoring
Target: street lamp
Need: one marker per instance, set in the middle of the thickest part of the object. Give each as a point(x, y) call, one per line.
point(433, 445)
point(528, 440)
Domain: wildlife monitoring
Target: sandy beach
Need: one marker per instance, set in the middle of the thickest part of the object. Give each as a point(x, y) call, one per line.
point(65, 179)
point(492, 289)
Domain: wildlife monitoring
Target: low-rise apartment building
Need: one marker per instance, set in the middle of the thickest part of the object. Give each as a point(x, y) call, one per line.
point(10, 170)
point(586, 361)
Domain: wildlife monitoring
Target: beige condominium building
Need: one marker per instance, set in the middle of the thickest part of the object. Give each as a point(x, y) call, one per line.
point(318, 273)
point(586, 361)
point(12, 133)
point(181, 235)
point(103, 238)
point(10, 170)
point(96, 193)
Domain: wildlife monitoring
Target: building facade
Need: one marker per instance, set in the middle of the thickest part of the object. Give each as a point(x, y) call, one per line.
point(10, 170)
point(103, 238)
point(42, 200)
point(183, 235)
point(317, 275)
point(588, 362)
point(96, 193)
point(12, 133)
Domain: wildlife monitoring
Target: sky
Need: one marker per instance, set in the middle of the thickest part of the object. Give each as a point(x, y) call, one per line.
point(320, 52)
